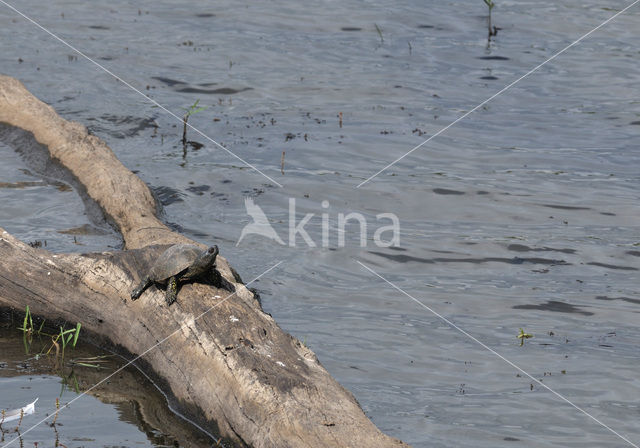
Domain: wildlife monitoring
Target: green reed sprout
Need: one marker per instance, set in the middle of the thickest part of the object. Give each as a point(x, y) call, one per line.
point(492, 29)
point(192, 110)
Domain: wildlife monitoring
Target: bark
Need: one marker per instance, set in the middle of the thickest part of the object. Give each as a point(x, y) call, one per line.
point(233, 370)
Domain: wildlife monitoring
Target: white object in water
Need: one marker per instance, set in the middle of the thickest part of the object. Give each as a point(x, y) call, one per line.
point(15, 413)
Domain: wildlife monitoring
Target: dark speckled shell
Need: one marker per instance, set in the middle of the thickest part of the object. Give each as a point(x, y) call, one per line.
point(173, 261)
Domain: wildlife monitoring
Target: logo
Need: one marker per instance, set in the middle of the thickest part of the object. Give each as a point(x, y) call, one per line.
point(384, 235)
point(260, 225)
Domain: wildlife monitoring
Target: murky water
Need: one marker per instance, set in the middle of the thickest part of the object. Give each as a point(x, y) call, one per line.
point(127, 410)
point(522, 215)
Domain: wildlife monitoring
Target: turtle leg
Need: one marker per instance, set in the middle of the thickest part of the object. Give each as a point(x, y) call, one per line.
point(220, 282)
point(172, 291)
point(144, 284)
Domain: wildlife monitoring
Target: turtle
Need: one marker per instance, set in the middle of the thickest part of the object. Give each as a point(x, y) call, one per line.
point(179, 263)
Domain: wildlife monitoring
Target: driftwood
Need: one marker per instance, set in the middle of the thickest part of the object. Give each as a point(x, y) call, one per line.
point(233, 371)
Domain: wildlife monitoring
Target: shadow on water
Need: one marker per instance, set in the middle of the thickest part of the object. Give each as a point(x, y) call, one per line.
point(183, 87)
point(624, 299)
point(555, 306)
point(120, 126)
point(515, 260)
point(523, 248)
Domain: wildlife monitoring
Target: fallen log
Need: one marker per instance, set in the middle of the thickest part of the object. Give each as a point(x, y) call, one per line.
point(227, 365)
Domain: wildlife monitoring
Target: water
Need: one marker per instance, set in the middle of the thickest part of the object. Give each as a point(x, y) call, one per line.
point(125, 411)
point(522, 215)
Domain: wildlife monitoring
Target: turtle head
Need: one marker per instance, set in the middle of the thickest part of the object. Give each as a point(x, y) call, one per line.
point(208, 258)
point(203, 263)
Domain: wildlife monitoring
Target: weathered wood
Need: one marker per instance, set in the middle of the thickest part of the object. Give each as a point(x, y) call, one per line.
point(234, 367)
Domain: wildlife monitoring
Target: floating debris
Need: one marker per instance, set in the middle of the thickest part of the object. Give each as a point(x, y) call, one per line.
point(17, 414)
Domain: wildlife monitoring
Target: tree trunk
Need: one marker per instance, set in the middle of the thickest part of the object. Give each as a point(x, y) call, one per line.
point(227, 365)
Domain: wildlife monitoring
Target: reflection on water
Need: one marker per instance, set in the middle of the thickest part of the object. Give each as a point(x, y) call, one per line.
point(547, 172)
point(127, 410)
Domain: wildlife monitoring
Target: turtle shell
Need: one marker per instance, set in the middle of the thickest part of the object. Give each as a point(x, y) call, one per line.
point(173, 261)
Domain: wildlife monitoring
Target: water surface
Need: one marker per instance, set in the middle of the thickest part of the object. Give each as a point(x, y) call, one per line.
point(522, 215)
